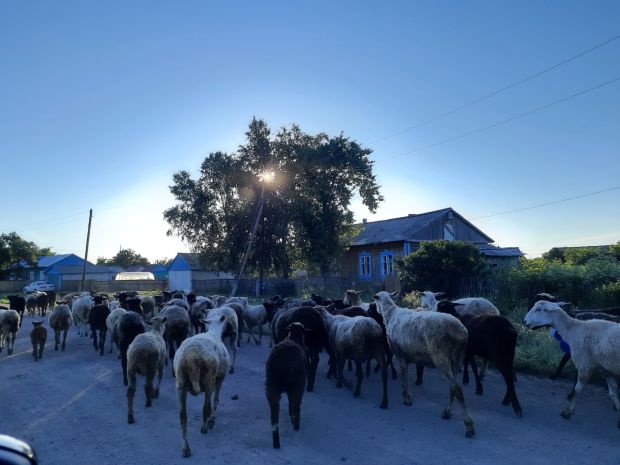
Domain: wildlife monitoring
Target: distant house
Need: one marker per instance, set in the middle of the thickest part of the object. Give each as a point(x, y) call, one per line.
point(38, 272)
point(372, 254)
point(67, 275)
point(187, 268)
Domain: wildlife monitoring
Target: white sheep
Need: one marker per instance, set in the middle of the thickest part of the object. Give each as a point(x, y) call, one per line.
point(146, 356)
point(594, 345)
point(59, 320)
point(9, 324)
point(201, 364)
point(230, 330)
point(475, 306)
point(81, 311)
point(255, 315)
point(428, 300)
point(426, 337)
point(110, 322)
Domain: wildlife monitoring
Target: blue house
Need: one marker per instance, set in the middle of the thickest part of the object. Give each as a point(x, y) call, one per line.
point(39, 271)
point(187, 268)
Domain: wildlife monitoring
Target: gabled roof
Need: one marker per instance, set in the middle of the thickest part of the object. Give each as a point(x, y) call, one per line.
point(493, 251)
point(192, 260)
point(49, 260)
point(404, 228)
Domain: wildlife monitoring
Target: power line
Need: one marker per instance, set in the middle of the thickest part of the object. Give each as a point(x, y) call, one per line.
point(546, 204)
point(500, 123)
point(499, 91)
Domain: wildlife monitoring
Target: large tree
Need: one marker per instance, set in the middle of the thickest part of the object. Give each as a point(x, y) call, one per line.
point(124, 258)
point(13, 249)
point(306, 183)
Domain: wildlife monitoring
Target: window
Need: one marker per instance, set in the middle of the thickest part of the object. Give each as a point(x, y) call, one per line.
point(387, 263)
point(364, 266)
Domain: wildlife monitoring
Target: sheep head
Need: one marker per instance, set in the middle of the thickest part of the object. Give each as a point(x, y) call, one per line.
point(352, 298)
point(428, 300)
point(541, 314)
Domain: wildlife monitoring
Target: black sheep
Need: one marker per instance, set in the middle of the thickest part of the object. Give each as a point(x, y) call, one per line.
point(374, 314)
point(42, 303)
point(128, 327)
point(316, 338)
point(97, 321)
point(286, 371)
point(17, 303)
point(494, 338)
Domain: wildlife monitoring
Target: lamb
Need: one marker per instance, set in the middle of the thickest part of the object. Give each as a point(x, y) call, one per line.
point(148, 307)
point(316, 338)
point(9, 324)
point(595, 344)
point(230, 329)
point(146, 356)
point(426, 337)
point(428, 300)
point(31, 304)
point(129, 325)
point(357, 338)
point(286, 371)
point(110, 323)
point(494, 338)
point(97, 321)
point(59, 320)
point(255, 315)
point(38, 336)
point(201, 364)
point(81, 310)
point(17, 303)
point(177, 328)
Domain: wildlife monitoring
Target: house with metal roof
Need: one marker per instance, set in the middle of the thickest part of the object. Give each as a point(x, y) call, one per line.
point(38, 272)
point(187, 268)
point(372, 253)
point(67, 277)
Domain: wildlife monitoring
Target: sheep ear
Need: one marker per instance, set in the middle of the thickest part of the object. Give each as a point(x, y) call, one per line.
point(394, 294)
point(561, 304)
point(222, 318)
point(439, 294)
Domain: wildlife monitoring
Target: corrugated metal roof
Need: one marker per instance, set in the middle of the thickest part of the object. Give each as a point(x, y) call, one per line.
point(72, 269)
point(192, 260)
point(396, 229)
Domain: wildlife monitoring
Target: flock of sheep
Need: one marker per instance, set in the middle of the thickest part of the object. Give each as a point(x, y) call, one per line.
point(190, 331)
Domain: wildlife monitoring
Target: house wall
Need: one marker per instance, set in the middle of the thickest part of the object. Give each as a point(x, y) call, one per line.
point(462, 231)
point(351, 267)
point(181, 280)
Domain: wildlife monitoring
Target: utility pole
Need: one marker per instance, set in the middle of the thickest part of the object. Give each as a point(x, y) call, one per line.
point(90, 217)
point(251, 241)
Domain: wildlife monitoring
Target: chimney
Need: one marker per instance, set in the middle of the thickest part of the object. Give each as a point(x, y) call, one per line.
point(364, 221)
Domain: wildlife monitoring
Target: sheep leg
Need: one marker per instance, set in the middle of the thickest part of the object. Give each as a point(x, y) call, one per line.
point(148, 385)
point(250, 334)
point(404, 380)
point(216, 401)
point(561, 365)
point(294, 407)
point(56, 338)
point(382, 361)
point(314, 363)
point(160, 374)
point(612, 385)
point(102, 336)
point(274, 406)
point(34, 352)
point(183, 418)
point(350, 365)
point(64, 339)
point(483, 367)
point(456, 391)
point(234, 340)
point(124, 363)
point(93, 335)
point(359, 373)
point(260, 334)
point(477, 377)
point(582, 380)
point(466, 370)
point(131, 392)
point(207, 410)
point(339, 371)
point(511, 393)
point(419, 373)
point(41, 347)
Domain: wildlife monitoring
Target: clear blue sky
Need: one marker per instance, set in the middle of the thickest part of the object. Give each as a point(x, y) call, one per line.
point(100, 102)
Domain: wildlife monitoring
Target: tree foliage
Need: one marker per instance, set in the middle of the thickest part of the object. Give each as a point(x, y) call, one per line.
point(306, 219)
point(13, 249)
point(439, 265)
point(124, 258)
